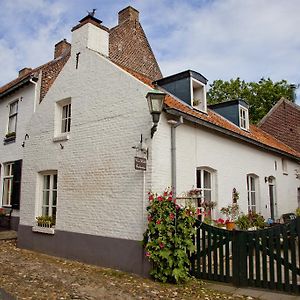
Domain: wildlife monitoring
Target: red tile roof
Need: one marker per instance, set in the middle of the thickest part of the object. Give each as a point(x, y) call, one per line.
point(255, 134)
point(49, 71)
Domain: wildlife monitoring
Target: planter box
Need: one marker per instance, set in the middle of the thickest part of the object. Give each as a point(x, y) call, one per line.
point(46, 230)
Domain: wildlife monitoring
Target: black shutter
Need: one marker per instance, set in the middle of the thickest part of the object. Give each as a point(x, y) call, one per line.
point(16, 188)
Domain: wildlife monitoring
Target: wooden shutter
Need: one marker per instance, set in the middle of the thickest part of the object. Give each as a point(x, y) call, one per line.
point(16, 188)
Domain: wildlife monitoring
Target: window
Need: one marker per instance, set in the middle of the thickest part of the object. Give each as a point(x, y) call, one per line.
point(252, 193)
point(49, 195)
point(205, 183)
point(12, 119)
point(244, 118)
point(284, 166)
point(66, 118)
point(198, 95)
point(7, 184)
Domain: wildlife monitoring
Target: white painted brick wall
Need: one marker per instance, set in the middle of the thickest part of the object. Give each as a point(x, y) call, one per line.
point(99, 192)
point(14, 151)
point(232, 159)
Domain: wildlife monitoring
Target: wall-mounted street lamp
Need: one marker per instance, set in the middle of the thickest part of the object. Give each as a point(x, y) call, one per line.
point(155, 100)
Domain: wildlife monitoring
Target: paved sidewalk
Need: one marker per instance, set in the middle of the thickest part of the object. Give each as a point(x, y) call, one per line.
point(5, 296)
point(251, 292)
point(8, 235)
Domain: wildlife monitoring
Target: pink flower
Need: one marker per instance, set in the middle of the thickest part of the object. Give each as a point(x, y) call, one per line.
point(149, 218)
point(172, 216)
point(161, 245)
point(198, 211)
point(150, 197)
point(147, 254)
point(158, 222)
point(170, 198)
point(165, 194)
point(160, 198)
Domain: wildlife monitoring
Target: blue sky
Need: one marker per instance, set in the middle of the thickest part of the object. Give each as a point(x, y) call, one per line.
point(221, 39)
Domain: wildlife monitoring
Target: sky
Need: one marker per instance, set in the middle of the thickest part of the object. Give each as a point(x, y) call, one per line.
point(221, 39)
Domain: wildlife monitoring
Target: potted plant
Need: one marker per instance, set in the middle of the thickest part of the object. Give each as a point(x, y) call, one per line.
point(231, 212)
point(45, 221)
point(251, 221)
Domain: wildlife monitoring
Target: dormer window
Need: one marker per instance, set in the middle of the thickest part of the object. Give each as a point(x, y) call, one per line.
point(244, 117)
point(198, 95)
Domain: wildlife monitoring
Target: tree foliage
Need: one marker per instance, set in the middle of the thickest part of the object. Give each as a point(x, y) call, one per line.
point(261, 96)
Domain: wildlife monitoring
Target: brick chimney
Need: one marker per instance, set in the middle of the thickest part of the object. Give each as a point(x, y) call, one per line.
point(128, 13)
point(24, 71)
point(89, 33)
point(61, 47)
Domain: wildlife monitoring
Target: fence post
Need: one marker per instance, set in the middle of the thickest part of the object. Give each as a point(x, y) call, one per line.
point(239, 258)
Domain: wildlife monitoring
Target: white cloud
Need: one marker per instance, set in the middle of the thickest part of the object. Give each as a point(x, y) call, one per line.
point(221, 39)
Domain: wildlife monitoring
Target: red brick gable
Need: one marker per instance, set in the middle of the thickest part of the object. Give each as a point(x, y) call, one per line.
point(129, 47)
point(283, 122)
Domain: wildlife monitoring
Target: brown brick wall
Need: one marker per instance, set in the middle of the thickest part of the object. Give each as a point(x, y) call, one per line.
point(129, 47)
point(284, 124)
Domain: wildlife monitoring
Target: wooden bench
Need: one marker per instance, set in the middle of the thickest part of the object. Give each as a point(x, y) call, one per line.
point(5, 217)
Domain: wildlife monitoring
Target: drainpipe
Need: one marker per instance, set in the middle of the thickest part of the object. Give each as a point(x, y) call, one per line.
point(174, 124)
point(35, 93)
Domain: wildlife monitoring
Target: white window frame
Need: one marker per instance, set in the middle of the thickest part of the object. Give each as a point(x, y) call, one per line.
point(284, 166)
point(198, 92)
point(13, 117)
point(66, 115)
point(7, 177)
point(50, 191)
point(62, 132)
point(252, 206)
point(212, 187)
point(243, 117)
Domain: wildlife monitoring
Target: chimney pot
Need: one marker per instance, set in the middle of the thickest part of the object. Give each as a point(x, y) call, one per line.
point(61, 47)
point(24, 71)
point(128, 13)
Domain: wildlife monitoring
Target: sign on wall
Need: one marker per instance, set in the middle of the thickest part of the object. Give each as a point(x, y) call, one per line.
point(140, 163)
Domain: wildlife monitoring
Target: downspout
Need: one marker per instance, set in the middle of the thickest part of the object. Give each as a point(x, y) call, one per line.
point(174, 124)
point(35, 93)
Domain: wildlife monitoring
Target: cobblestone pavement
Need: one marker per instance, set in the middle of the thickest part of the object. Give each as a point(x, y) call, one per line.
point(30, 275)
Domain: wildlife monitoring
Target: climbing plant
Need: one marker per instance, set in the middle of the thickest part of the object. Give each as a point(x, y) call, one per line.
point(168, 239)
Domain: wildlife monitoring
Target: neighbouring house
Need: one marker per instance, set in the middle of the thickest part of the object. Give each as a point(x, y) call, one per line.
point(79, 172)
point(283, 122)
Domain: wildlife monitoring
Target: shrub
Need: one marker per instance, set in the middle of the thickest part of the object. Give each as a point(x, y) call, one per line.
point(168, 238)
point(252, 219)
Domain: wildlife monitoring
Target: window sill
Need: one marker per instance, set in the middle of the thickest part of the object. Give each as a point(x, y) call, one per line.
point(46, 230)
point(9, 140)
point(62, 137)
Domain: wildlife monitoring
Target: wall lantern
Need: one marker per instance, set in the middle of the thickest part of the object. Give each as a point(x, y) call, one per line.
point(155, 100)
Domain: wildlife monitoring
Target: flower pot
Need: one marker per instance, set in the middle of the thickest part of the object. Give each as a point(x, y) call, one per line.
point(230, 225)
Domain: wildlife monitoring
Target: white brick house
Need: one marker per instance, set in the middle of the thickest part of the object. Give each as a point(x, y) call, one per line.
point(78, 164)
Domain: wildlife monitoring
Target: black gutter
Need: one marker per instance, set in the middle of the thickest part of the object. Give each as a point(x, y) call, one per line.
point(17, 85)
point(227, 132)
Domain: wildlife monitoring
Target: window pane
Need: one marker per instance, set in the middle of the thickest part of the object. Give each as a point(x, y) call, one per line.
point(207, 179)
point(198, 179)
point(207, 195)
point(55, 182)
point(13, 108)
point(252, 181)
point(45, 211)
point(47, 182)
point(46, 197)
point(253, 198)
point(12, 122)
point(69, 115)
point(54, 197)
point(65, 112)
point(7, 185)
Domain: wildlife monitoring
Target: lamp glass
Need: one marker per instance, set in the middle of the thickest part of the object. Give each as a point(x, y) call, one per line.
point(155, 102)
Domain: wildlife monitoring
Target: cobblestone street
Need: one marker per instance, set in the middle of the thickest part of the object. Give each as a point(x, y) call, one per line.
point(30, 275)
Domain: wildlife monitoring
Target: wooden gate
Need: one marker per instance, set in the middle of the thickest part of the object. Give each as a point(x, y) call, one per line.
point(267, 258)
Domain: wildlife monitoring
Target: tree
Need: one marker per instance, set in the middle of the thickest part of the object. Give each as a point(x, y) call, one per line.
point(261, 96)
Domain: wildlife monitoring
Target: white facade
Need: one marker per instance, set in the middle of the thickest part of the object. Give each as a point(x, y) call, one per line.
point(231, 160)
point(26, 105)
point(99, 191)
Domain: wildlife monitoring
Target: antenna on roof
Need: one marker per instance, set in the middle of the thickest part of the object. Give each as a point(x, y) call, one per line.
point(92, 13)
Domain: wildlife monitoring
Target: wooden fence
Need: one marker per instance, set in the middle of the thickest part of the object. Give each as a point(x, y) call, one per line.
point(267, 258)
